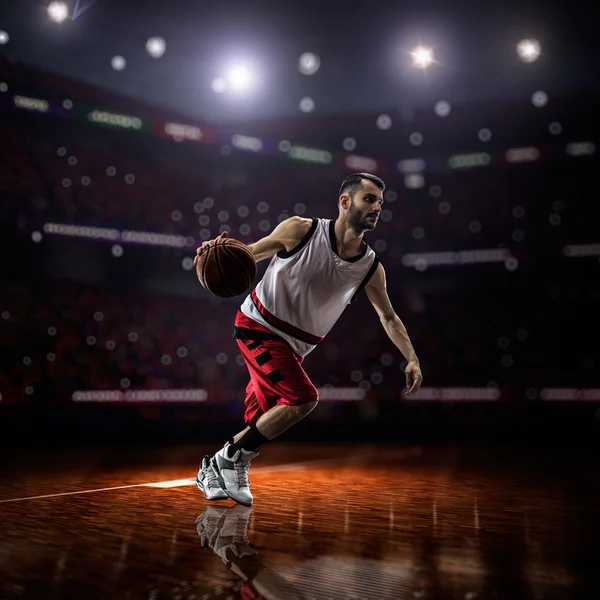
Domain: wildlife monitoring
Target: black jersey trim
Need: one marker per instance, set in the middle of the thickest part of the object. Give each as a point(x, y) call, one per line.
point(366, 279)
point(303, 241)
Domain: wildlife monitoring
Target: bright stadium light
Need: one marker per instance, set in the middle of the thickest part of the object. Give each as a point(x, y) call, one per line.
point(156, 46)
point(118, 63)
point(384, 122)
point(58, 11)
point(239, 77)
point(529, 50)
point(4, 37)
point(539, 99)
point(442, 108)
point(422, 57)
point(308, 63)
point(307, 105)
point(219, 85)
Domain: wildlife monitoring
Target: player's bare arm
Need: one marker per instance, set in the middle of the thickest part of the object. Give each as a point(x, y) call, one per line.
point(377, 293)
point(286, 236)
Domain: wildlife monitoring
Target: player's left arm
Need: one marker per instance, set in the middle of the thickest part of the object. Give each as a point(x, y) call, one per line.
point(377, 293)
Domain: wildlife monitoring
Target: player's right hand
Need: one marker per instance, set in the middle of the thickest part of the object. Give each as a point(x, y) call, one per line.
point(206, 244)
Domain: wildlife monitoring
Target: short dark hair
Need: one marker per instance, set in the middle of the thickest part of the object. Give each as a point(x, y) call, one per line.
point(353, 183)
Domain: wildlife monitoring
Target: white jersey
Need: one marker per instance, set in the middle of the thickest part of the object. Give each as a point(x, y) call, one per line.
point(304, 291)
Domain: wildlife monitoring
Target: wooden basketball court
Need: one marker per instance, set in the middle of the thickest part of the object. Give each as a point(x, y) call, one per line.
point(362, 522)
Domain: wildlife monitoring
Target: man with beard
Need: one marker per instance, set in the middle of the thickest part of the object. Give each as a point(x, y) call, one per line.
point(319, 266)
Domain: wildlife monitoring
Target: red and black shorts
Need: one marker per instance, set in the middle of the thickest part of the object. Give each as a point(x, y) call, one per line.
point(276, 372)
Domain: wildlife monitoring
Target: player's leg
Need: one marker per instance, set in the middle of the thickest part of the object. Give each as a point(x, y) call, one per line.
point(291, 395)
point(255, 408)
point(231, 463)
point(284, 394)
point(254, 345)
point(207, 480)
point(281, 417)
point(238, 436)
point(271, 424)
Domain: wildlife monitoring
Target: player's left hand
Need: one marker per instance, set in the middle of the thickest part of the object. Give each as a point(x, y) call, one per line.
point(206, 244)
point(414, 377)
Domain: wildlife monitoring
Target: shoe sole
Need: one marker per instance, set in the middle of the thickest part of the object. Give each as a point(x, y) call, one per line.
point(213, 464)
point(201, 488)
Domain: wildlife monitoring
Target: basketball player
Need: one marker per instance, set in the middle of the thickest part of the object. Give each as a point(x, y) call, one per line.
point(318, 267)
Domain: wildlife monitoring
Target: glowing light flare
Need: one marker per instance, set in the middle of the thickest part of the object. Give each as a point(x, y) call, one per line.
point(349, 144)
point(118, 63)
point(442, 108)
point(422, 57)
point(156, 47)
point(384, 122)
point(239, 77)
point(58, 11)
point(219, 85)
point(307, 105)
point(529, 50)
point(308, 63)
point(539, 99)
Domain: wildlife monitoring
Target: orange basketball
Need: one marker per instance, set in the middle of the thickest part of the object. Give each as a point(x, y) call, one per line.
point(226, 268)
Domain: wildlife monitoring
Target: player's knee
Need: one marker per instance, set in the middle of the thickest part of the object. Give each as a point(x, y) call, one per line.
point(304, 408)
point(308, 401)
point(312, 405)
point(311, 401)
point(305, 401)
point(311, 397)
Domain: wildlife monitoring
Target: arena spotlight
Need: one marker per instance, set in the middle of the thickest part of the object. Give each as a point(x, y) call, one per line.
point(155, 46)
point(118, 63)
point(442, 108)
point(307, 105)
point(539, 99)
point(219, 85)
point(58, 11)
point(308, 63)
point(529, 50)
point(4, 37)
point(384, 122)
point(239, 77)
point(422, 57)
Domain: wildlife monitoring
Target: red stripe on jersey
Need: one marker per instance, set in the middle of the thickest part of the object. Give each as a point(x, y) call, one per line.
point(292, 330)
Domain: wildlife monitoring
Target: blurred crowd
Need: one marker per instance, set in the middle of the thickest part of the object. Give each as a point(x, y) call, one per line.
point(79, 175)
point(58, 337)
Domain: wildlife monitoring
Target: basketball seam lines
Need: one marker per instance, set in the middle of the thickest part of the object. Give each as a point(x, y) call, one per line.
point(203, 282)
point(243, 247)
point(239, 262)
point(221, 273)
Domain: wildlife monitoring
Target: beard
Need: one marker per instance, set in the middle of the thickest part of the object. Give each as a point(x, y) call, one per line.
point(359, 221)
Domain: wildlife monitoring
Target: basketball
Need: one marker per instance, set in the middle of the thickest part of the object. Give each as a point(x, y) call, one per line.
point(226, 268)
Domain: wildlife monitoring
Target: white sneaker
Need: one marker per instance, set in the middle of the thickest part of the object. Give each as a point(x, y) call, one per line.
point(232, 473)
point(207, 481)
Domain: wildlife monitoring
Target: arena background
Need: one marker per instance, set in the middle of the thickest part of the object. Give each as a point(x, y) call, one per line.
point(487, 234)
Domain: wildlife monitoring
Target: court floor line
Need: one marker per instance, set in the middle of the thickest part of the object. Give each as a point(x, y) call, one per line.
point(296, 466)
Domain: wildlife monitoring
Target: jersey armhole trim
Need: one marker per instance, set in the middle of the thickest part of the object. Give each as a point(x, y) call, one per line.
point(303, 241)
point(366, 279)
